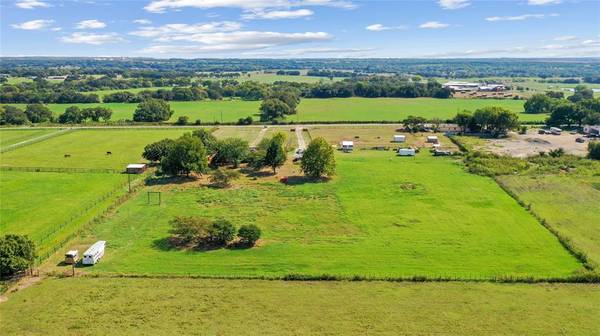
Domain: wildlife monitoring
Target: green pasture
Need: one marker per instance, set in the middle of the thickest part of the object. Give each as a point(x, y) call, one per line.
point(332, 109)
point(383, 216)
point(271, 78)
point(40, 204)
point(10, 137)
point(101, 93)
point(96, 306)
point(570, 204)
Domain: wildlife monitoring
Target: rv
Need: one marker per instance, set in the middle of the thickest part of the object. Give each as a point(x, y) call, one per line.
point(71, 257)
point(555, 130)
point(94, 253)
point(406, 152)
point(347, 146)
point(399, 138)
point(432, 139)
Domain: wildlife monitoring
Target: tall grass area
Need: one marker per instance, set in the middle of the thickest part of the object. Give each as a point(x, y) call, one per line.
point(332, 109)
point(49, 207)
point(90, 306)
point(382, 217)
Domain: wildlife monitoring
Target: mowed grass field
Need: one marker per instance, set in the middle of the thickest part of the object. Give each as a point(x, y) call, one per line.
point(332, 109)
point(383, 216)
point(38, 204)
point(570, 204)
point(96, 306)
point(10, 137)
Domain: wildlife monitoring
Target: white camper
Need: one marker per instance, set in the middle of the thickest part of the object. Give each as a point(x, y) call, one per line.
point(399, 138)
point(406, 152)
point(432, 139)
point(94, 253)
point(555, 130)
point(347, 146)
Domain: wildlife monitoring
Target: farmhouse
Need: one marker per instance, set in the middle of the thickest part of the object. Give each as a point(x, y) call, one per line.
point(399, 138)
point(347, 146)
point(136, 168)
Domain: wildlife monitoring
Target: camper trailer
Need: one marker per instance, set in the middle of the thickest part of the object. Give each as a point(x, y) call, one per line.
point(555, 130)
point(432, 139)
point(71, 257)
point(399, 138)
point(406, 152)
point(94, 253)
point(347, 146)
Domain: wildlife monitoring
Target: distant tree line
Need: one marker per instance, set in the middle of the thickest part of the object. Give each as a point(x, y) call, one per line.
point(579, 109)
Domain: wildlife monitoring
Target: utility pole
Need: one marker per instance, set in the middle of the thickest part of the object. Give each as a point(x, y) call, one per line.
point(129, 180)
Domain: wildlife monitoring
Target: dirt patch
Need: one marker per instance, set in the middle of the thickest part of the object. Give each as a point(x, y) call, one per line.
point(523, 145)
point(20, 285)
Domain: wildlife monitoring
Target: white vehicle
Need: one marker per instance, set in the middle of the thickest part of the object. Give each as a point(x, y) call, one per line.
point(555, 130)
point(347, 146)
point(94, 253)
point(406, 152)
point(399, 138)
point(298, 155)
point(432, 139)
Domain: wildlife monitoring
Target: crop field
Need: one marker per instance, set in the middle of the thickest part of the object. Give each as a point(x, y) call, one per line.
point(570, 204)
point(39, 204)
point(233, 307)
point(384, 216)
point(10, 137)
point(331, 109)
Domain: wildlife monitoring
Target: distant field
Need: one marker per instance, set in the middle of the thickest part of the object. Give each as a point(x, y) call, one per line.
point(384, 216)
point(334, 109)
point(231, 307)
point(570, 204)
point(10, 137)
point(101, 93)
point(271, 78)
point(37, 204)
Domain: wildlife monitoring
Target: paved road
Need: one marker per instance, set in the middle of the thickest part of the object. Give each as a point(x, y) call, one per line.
point(300, 137)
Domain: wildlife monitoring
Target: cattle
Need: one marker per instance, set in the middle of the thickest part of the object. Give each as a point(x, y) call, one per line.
point(108, 153)
point(67, 155)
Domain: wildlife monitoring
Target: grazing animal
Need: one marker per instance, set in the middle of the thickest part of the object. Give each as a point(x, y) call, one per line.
point(67, 155)
point(108, 153)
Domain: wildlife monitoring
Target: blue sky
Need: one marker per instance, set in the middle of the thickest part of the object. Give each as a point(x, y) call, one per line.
point(300, 28)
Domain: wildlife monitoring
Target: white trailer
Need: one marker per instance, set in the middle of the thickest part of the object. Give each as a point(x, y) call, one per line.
point(399, 138)
point(347, 146)
point(406, 152)
point(432, 139)
point(555, 130)
point(92, 255)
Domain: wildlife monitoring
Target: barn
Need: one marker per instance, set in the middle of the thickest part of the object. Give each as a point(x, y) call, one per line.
point(136, 168)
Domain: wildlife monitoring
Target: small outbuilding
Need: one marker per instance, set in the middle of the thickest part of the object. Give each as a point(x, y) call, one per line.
point(71, 257)
point(347, 146)
point(592, 130)
point(136, 168)
point(399, 138)
point(406, 151)
point(432, 139)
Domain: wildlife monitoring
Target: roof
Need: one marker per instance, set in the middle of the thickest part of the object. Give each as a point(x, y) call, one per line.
point(136, 165)
point(347, 143)
point(399, 135)
point(432, 137)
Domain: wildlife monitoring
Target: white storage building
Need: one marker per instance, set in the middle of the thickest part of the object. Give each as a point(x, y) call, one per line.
point(347, 146)
point(399, 138)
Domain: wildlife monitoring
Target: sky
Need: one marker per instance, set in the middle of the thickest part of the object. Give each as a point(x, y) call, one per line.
point(300, 28)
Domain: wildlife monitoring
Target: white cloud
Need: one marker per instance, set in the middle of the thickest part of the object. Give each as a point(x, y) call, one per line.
point(515, 18)
point(90, 24)
point(550, 50)
point(276, 14)
point(31, 4)
point(339, 52)
point(33, 24)
point(91, 38)
point(379, 27)
point(177, 30)
point(543, 2)
point(565, 38)
point(161, 6)
point(142, 21)
point(453, 4)
point(434, 25)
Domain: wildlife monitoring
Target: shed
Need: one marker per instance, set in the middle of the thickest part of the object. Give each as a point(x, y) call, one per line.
point(347, 146)
point(71, 257)
point(399, 138)
point(136, 168)
point(406, 152)
point(432, 139)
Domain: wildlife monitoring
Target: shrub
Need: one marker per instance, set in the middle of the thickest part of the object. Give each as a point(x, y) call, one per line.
point(556, 152)
point(189, 229)
point(17, 254)
point(222, 177)
point(594, 150)
point(221, 232)
point(198, 122)
point(318, 159)
point(249, 234)
point(182, 120)
point(152, 110)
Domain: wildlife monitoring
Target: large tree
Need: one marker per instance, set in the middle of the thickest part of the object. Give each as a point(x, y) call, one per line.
point(414, 124)
point(17, 254)
point(318, 160)
point(12, 115)
point(97, 113)
point(275, 155)
point(187, 155)
point(37, 113)
point(230, 151)
point(208, 139)
point(157, 150)
point(273, 108)
point(153, 110)
point(538, 103)
point(72, 115)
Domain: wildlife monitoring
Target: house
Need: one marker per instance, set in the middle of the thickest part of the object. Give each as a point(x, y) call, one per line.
point(92, 255)
point(136, 168)
point(347, 146)
point(406, 152)
point(432, 139)
point(592, 130)
point(399, 138)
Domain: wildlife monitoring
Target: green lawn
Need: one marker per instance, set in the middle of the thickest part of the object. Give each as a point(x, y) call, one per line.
point(333, 109)
point(88, 306)
point(10, 137)
point(570, 204)
point(37, 204)
point(384, 216)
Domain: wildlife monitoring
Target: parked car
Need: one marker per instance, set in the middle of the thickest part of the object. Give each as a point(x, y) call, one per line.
point(542, 131)
point(298, 154)
point(580, 140)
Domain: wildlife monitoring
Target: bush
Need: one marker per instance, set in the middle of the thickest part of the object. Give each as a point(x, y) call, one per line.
point(189, 229)
point(17, 254)
point(222, 177)
point(249, 234)
point(594, 150)
point(555, 153)
point(198, 122)
point(221, 232)
point(182, 120)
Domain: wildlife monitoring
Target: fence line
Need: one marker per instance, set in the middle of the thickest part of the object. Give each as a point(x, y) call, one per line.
point(62, 170)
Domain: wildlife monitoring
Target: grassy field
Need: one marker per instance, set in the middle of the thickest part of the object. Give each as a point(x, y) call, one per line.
point(37, 204)
point(384, 216)
point(569, 203)
point(10, 137)
point(215, 307)
point(334, 109)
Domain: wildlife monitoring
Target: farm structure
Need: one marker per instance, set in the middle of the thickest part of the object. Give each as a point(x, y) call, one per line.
point(593, 130)
point(92, 255)
point(467, 86)
point(347, 146)
point(406, 152)
point(399, 138)
point(432, 139)
point(136, 168)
